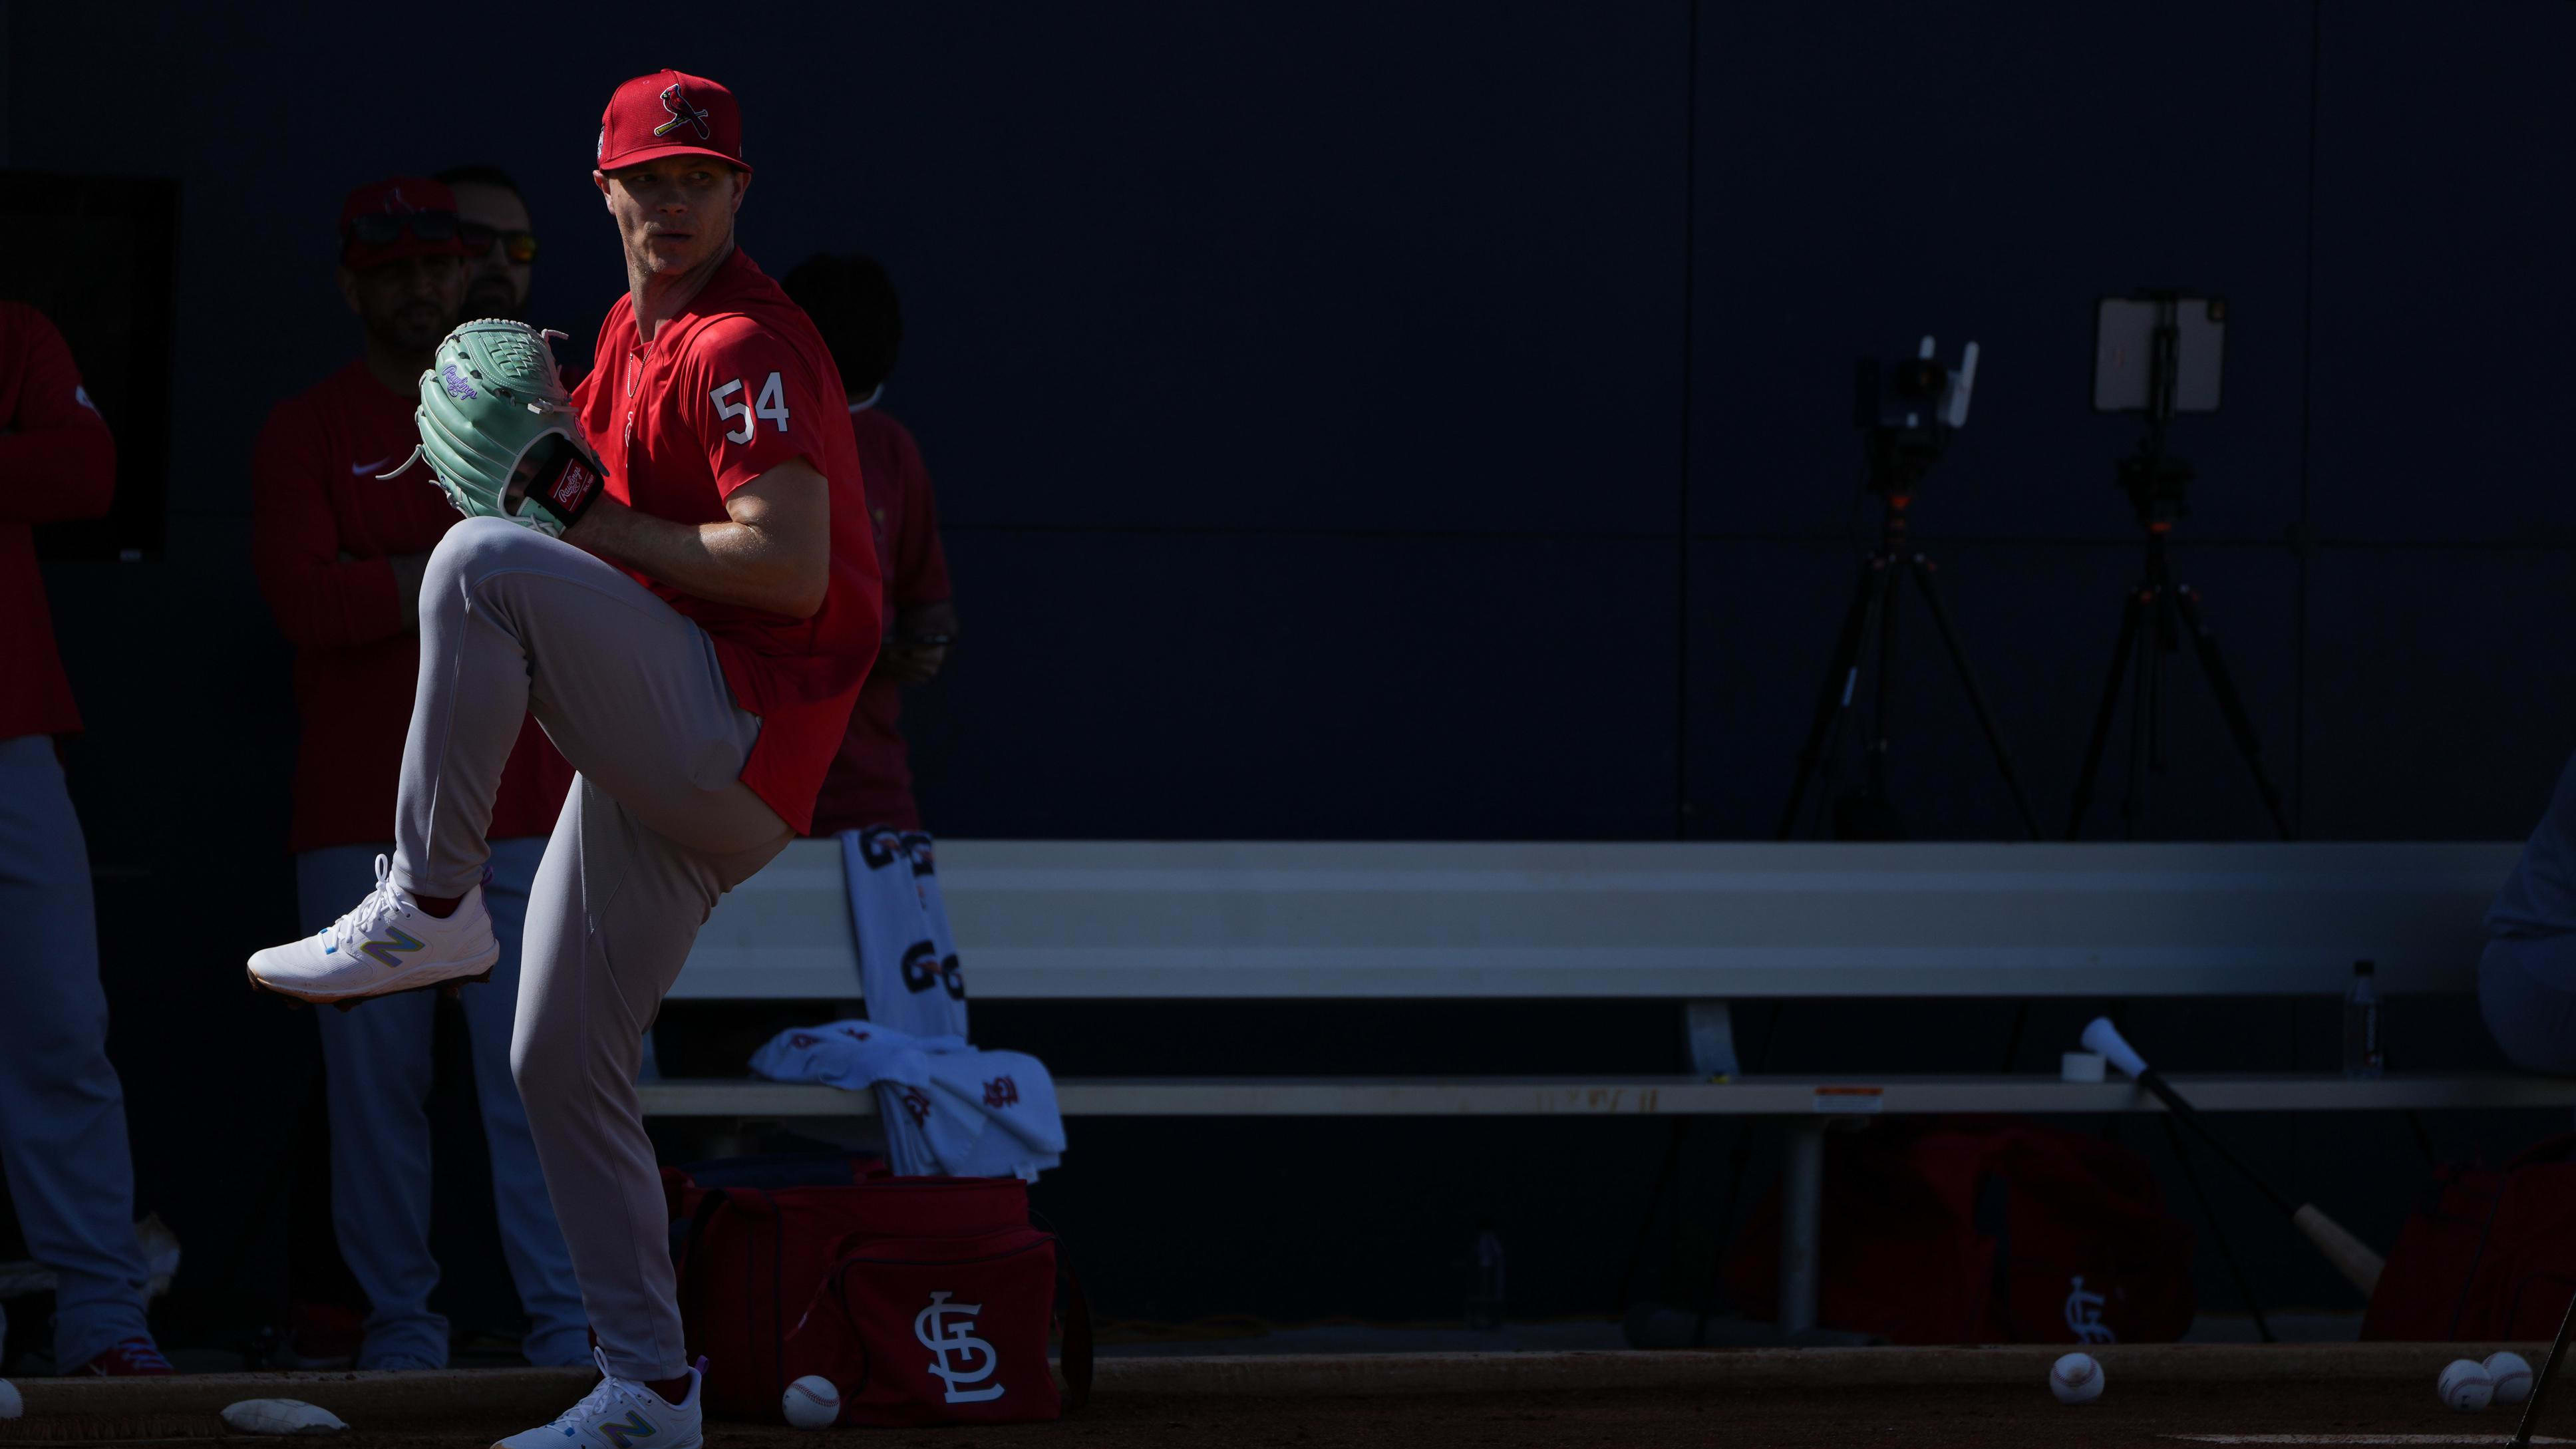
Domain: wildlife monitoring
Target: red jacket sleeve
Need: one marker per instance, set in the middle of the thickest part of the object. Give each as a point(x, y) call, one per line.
point(57, 459)
point(319, 599)
point(920, 565)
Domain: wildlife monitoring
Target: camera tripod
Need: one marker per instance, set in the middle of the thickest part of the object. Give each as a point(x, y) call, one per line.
point(2159, 613)
point(1868, 815)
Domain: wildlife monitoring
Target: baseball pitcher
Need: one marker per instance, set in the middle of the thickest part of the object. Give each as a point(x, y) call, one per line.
point(671, 567)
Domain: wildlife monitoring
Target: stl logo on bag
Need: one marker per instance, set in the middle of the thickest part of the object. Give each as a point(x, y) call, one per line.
point(947, 1328)
point(2084, 1316)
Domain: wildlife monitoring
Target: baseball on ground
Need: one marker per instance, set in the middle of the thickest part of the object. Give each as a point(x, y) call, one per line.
point(2076, 1379)
point(2512, 1375)
point(811, 1402)
point(2464, 1385)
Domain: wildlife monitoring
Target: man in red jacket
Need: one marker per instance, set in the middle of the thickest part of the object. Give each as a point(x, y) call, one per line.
point(340, 553)
point(853, 305)
point(62, 1111)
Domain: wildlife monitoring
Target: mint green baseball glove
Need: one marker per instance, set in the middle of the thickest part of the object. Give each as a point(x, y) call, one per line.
point(497, 426)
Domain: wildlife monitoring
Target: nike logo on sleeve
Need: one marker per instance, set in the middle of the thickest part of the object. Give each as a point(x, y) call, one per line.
point(365, 468)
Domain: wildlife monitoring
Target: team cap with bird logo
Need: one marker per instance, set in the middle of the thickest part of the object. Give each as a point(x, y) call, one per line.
point(670, 114)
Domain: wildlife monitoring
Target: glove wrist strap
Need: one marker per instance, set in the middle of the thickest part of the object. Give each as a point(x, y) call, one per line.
point(566, 488)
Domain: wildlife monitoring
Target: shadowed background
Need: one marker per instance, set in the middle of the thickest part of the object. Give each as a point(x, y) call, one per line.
point(1364, 421)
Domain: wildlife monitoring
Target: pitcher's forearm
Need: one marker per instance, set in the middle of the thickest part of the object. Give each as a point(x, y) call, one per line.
point(727, 563)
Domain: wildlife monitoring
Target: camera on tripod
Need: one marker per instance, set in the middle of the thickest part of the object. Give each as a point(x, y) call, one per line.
point(1906, 411)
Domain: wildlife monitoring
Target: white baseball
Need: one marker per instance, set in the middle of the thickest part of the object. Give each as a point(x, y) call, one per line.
point(2464, 1385)
point(281, 1417)
point(2076, 1379)
point(11, 1405)
point(812, 1403)
point(2512, 1375)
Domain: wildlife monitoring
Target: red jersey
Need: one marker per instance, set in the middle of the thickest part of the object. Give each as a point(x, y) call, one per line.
point(735, 385)
point(323, 528)
point(871, 778)
point(57, 461)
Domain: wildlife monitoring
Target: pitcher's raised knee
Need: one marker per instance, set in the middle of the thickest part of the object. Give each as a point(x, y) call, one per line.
point(477, 547)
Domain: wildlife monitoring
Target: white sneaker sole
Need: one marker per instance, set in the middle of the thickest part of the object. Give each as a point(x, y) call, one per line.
point(424, 977)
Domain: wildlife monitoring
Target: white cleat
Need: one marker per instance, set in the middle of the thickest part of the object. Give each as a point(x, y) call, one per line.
point(384, 946)
point(620, 1414)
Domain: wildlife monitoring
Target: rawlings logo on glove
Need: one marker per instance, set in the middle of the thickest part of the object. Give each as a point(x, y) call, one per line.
point(497, 427)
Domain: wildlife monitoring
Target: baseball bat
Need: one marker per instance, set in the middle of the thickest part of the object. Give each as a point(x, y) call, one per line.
point(2350, 1256)
point(2548, 1375)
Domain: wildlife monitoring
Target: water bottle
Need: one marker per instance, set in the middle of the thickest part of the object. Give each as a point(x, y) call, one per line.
point(1485, 1280)
point(2362, 1056)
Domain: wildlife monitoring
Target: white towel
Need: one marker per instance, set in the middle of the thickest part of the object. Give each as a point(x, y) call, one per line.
point(948, 1107)
point(908, 967)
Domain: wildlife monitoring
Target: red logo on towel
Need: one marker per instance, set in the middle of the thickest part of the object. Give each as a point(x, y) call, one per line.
point(1001, 1092)
point(916, 1105)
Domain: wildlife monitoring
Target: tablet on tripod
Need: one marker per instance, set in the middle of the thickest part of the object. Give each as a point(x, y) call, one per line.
point(2158, 340)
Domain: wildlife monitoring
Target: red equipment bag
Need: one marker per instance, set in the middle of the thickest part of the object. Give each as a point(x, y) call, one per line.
point(2489, 1254)
point(1971, 1230)
point(752, 1261)
point(937, 1308)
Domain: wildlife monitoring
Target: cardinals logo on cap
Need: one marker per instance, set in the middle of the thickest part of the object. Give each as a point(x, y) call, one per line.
point(683, 113)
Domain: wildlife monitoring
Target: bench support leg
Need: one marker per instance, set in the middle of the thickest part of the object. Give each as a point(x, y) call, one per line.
point(1708, 1031)
point(1802, 1205)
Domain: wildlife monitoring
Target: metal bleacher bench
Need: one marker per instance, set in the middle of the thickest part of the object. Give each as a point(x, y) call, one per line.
point(1701, 925)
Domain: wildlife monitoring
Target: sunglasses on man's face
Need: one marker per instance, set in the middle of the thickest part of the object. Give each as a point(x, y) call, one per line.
point(384, 228)
point(518, 246)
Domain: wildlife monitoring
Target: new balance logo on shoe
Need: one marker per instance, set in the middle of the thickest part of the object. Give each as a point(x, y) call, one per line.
point(635, 1427)
point(384, 951)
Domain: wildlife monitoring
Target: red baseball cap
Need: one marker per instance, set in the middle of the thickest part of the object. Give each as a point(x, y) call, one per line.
point(670, 114)
point(398, 217)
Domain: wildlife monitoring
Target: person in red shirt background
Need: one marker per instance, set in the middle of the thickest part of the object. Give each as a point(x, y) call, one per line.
point(62, 1110)
point(854, 306)
point(340, 554)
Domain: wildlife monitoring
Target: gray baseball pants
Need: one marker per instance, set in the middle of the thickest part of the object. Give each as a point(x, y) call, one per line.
point(656, 829)
point(62, 1111)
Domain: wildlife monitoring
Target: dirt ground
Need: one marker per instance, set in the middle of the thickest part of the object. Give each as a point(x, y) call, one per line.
point(2169, 1416)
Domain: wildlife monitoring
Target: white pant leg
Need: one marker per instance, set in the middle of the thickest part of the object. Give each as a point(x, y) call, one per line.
point(62, 1110)
point(614, 912)
point(540, 1263)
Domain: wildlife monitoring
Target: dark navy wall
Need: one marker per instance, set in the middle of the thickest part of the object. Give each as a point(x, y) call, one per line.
point(1432, 421)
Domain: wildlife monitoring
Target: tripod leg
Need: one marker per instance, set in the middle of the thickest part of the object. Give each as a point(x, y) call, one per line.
point(1924, 575)
point(2232, 704)
point(1883, 704)
point(2143, 711)
point(1842, 681)
point(2102, 717)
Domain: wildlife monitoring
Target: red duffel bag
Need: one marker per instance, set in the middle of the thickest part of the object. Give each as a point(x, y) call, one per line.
point(2489, 1254)
point(747, 1256)
point(1978, 1230)
point(937, 1309)
point(754, 1261)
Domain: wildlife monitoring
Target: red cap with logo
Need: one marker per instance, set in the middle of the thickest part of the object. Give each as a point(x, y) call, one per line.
point(398, 217)
point(670, 114)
